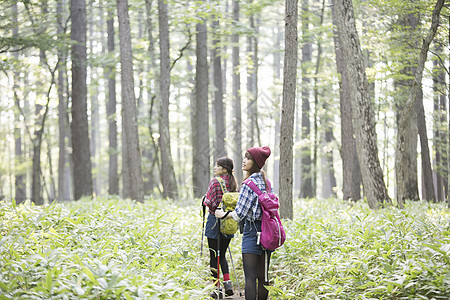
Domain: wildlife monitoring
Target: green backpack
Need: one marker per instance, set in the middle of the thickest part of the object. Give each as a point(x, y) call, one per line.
point(229, 200)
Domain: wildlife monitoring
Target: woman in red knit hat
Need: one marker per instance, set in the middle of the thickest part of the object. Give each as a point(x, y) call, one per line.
point(249, 211)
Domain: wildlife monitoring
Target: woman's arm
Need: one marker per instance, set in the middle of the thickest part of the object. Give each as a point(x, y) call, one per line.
point(243, 205)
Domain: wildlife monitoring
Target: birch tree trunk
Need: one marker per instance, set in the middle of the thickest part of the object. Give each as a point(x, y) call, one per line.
point(82, 171)
point(410, 104)
point(167, 172)
point(362, 115)
point(132, 173)
point(201, 159)
point(288, 109)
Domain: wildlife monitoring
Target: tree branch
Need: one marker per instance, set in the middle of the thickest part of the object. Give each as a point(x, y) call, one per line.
point(182, 49)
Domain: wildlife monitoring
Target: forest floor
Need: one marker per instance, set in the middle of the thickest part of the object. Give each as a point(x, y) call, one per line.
point(119, 249)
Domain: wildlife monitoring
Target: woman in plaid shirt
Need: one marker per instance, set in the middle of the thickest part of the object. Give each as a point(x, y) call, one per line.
point(249, 211)
point(213, 198)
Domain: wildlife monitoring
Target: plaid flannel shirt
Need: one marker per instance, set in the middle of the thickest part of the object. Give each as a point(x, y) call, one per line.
point(247, 204)
point(214, 193)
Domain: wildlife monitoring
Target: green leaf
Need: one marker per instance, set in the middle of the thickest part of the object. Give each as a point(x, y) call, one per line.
point(89, 274)
point(53, 231)
point(437, 249)
point(49, 280)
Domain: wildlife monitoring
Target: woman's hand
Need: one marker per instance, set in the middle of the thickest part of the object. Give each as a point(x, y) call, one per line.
point(219, 213)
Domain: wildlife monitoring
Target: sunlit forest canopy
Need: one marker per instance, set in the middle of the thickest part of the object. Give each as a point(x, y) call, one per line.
point(139, 98)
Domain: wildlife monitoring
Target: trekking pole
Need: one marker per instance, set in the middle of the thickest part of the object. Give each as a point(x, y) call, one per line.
point(218, 259)
point(203, 225)
point(235, 275)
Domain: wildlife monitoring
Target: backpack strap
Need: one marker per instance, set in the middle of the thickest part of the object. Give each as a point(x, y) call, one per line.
point(222, 184)
point(254, 188)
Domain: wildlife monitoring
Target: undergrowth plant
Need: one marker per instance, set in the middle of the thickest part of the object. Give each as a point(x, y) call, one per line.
point(101, 249)
point(110, 248)
point(336, 250)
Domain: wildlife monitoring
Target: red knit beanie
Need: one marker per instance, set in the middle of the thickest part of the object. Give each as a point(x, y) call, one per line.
point(260, 154)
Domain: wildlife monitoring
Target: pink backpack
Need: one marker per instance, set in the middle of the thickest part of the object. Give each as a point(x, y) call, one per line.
point(272, 231)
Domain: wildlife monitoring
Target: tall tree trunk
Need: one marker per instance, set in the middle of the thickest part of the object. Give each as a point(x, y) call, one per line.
point(154, 172)
point(411, 103)
point(351, 182)
point(82, 174)
point(132, 173)
point(201, 162)
point(219, 111)
point(316, 107)
point(36, 193)
point(288, 109)
point(427, 174)
point(306, 188)
point(113, 169)
point(167, 171)
point(20, 178)
point(236, 94)
point(36, 139)
point(439, 140)
point(407, 188)
point(328, 177)
point(277, 113)
point(252, 86)
point(224, 49)
point(52, 192)
point(63, 188)
point(298, 151)
point(95, 114)
point(41, 116)
point(362, 113)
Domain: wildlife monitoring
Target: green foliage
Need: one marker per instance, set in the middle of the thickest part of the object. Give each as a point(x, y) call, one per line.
point(120, 249)
point(100, 249)
point(336, 251)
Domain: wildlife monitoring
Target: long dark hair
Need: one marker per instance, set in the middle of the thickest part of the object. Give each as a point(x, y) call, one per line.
point(255, 168)
point(227, 164)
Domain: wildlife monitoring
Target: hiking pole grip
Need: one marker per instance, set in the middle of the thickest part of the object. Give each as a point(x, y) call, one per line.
point(203, 225)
